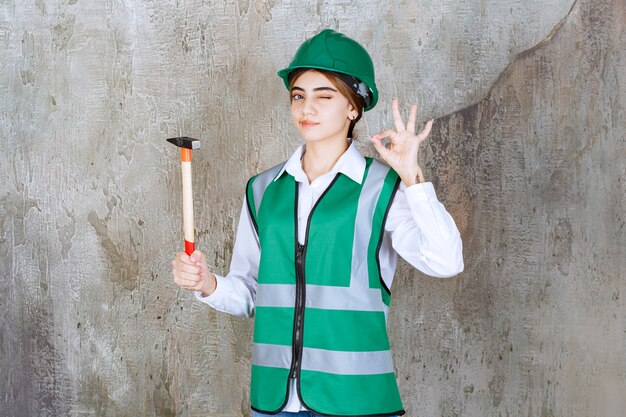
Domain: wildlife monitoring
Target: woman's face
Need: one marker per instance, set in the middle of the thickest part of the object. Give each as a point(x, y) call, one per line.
point(318, 109)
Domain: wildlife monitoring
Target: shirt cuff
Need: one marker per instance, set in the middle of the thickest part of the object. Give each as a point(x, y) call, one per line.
point(216, 296)
point(421, 192)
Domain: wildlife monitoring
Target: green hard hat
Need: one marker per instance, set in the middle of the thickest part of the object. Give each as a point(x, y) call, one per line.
point(333, 51)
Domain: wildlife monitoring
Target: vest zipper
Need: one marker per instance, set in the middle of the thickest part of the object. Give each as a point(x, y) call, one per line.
point(296, 362)
point(299, 310)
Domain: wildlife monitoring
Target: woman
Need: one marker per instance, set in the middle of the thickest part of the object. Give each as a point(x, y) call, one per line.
point(330, 224)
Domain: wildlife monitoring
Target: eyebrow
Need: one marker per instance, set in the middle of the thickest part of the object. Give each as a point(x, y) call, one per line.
point(315, 89)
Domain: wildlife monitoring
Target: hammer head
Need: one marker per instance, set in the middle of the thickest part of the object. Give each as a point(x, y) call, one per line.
point(185, 142)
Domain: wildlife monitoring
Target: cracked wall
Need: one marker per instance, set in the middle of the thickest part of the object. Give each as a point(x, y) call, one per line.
point(527, 154)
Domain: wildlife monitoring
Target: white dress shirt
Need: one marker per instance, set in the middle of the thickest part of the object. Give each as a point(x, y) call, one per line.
point(418, 227)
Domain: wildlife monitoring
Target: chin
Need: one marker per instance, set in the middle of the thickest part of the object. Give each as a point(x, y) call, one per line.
point(310, 137)
point(315, 136)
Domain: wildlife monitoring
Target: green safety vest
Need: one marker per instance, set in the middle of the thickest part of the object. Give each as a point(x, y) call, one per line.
point(321, 308)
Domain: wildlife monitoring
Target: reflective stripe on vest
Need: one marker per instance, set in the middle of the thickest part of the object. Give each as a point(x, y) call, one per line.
point(255, 194)
point(321, 360)
point(340, 353)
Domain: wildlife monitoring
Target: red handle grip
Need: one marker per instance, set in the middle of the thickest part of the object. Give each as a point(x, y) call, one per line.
point(189, 247)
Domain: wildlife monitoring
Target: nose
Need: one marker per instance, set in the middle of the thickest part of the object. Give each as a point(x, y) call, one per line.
point(307, 107)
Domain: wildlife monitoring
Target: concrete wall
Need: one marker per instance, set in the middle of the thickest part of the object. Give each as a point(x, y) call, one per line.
point(527, 154)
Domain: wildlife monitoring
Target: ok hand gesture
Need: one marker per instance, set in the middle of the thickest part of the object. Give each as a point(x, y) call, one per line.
point(401, 155)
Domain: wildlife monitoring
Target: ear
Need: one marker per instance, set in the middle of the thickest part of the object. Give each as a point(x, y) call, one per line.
point(352, 112)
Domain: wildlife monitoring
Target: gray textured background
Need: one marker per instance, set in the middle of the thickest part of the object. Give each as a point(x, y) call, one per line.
point(527, 154)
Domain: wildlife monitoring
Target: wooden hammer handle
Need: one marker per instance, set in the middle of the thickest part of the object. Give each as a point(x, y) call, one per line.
point(188, 226)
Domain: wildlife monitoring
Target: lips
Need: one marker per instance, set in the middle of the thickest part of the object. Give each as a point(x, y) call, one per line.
point(308, 123)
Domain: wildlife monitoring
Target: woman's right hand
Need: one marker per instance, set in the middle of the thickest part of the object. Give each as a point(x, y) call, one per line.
point(191, 273)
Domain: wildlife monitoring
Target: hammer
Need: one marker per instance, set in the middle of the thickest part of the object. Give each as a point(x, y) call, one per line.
point(186, 144)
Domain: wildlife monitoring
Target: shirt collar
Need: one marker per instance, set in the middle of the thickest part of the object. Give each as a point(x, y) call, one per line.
point(351, 163)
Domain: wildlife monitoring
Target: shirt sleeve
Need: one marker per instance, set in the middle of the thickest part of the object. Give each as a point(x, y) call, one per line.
point(236, 292)
point(423, 232)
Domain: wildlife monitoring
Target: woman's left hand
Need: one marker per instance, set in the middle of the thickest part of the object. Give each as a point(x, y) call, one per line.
point(401, 155)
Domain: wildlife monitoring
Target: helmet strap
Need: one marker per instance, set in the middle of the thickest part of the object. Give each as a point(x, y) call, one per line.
point(357, 86)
